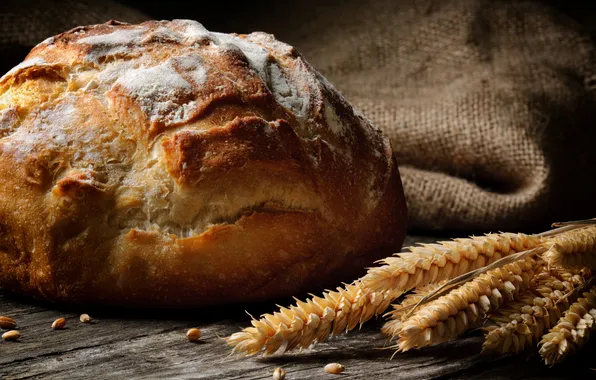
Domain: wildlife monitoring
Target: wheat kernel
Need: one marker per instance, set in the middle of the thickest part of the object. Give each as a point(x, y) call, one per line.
point(334, 368)
point(11, 335)
point(59, 324)
point(7, 323)
point(193, 334)
point(279, 374)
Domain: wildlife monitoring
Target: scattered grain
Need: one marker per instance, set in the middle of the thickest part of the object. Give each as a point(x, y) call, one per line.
point(193, 334)
point(7, 323)
point(85, 318)
point(279, 374)
point(334, 368)
point(11, 335)
point(59, 324)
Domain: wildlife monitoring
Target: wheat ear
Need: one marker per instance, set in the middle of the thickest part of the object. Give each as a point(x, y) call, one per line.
point(571, 331)
point(573, 249)
point(312, 321)
point(521, 323)
point(445, 318)
point(431, 263)
point(576, 277)
point(397, 315)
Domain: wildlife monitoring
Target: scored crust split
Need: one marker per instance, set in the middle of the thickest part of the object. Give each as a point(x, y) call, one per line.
point(161, 164)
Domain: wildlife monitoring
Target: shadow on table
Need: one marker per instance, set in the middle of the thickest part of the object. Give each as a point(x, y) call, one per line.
point(237, 312)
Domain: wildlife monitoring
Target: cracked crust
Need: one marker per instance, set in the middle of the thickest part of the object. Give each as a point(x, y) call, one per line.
point(164, 165)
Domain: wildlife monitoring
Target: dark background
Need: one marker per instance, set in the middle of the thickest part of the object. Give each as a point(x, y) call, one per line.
point(232, 16)
point(247, 16)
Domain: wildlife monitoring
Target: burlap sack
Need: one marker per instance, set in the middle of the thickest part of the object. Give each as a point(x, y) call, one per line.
point(489, 103)
point(25, 23)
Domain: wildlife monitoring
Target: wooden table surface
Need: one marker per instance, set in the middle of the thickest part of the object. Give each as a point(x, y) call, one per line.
point(152, 345)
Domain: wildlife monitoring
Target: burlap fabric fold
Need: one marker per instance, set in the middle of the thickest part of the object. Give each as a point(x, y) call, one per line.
point(490, 104)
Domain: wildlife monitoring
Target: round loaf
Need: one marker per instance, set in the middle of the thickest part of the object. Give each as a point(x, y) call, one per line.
point(164, 165)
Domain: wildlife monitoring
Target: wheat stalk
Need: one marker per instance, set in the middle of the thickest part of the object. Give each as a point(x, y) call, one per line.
point(312, 321)
point(479, 263)
point(431, 263)
point(573, 249)
point(309, 322)
point(571, 331)
point(575, 223)
point(450, 315)
point(521, 323)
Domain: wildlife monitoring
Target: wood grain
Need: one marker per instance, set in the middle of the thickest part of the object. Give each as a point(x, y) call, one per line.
point(148, 344)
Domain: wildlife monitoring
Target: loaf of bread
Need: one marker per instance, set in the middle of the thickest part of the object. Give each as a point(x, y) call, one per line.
point(164, 165)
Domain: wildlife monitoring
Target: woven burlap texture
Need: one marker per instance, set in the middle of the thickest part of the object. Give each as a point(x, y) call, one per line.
point(25, 23)
point(488, 103)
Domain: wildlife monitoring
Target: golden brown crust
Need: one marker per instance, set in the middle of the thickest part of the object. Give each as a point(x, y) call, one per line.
point(164, 165)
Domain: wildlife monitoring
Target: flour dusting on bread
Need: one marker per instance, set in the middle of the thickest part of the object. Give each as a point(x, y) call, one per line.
point(8, 121)
point(160, 91)
point(118, 42)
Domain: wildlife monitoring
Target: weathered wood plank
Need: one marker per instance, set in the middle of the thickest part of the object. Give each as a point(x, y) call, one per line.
point(148, 345)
